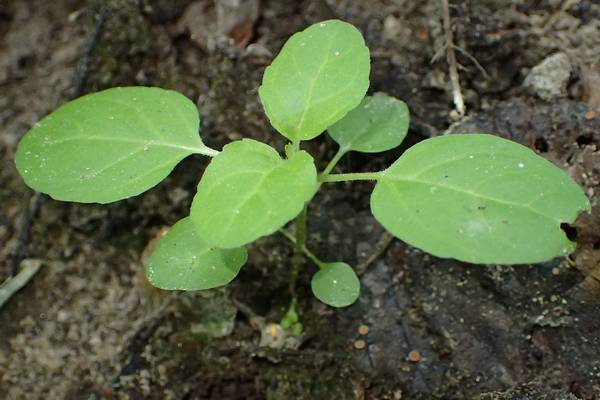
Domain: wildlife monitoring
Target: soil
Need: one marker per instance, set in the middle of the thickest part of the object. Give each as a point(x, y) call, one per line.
point(88, 326)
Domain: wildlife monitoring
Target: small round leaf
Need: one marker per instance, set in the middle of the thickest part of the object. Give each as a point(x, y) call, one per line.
point(336, 284)
point(183, 261)
point(249, 191)
point(320, 74)
point(110, 145)
point(478, 198)
point(379, 123)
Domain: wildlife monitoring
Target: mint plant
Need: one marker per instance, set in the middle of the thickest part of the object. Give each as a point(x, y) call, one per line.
point(473, 197)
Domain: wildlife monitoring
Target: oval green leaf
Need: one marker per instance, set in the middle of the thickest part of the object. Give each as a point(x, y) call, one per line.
point(249, 191)
point(379, 123)
point(110, 145)
point(183, 261)
point(478, 198)
point(336, 284)
point(320, 74)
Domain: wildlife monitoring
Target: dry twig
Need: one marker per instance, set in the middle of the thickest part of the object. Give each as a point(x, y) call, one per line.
point(380, 248)
point(457, 96)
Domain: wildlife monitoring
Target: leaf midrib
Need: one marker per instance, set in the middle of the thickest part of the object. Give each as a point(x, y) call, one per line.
point(151, 142)
point(256, 192)
point(433, 232)
point(313, 83)
point(474, 194)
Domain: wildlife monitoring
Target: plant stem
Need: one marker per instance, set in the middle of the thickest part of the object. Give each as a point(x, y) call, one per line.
point(300, 241)
point(340, 153)
point(459, 102)
point(295, 146)
point(305, 250)
point(354, 176)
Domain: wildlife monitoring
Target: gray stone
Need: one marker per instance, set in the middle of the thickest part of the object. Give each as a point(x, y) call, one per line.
point(548, 80)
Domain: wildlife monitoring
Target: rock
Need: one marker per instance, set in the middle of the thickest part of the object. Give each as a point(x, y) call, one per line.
point(548, 80)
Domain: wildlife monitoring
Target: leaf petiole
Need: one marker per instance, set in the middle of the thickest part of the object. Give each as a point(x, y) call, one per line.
point(295, 146)
point(336, 158)
point(304, 249)
point(353, 176)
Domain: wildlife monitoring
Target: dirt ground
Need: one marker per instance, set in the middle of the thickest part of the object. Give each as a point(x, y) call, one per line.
point(88, 326)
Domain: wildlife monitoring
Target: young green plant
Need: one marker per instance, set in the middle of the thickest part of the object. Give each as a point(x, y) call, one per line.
point(473, 197)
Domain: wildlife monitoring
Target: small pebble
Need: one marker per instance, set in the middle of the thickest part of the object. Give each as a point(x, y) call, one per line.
point(548, 80)
point(359, 344)
point(590, 115)
point(414, 356)
point(363, 330)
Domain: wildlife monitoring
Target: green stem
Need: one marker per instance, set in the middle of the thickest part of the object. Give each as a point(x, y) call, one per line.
point(301, 229)
point(295, 146)
point(305, 250)
point(300, 241)
point(354, 176)
point(292, 148)
point(336, 158)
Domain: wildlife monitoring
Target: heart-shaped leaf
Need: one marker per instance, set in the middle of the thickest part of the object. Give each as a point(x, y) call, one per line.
point(110, 145)
point(379, 123)
point(320, 74)
point(478, 198)
point(249, 191)
point(336, 284)
point(183, 261)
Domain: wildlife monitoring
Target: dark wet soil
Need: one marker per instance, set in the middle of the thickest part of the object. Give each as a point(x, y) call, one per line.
point(88, 326)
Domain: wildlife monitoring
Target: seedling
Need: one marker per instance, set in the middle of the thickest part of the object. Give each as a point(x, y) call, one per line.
point(473, 197)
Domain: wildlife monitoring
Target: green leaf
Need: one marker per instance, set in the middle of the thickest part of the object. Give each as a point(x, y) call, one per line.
point(478, 198)
point(379, 123)
point(110, 145)
point(290, 318)
point(182, 260)
point(291, 321)
point(320, 74)
point(297, 329)
point(336, 284)
point(249, 191)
